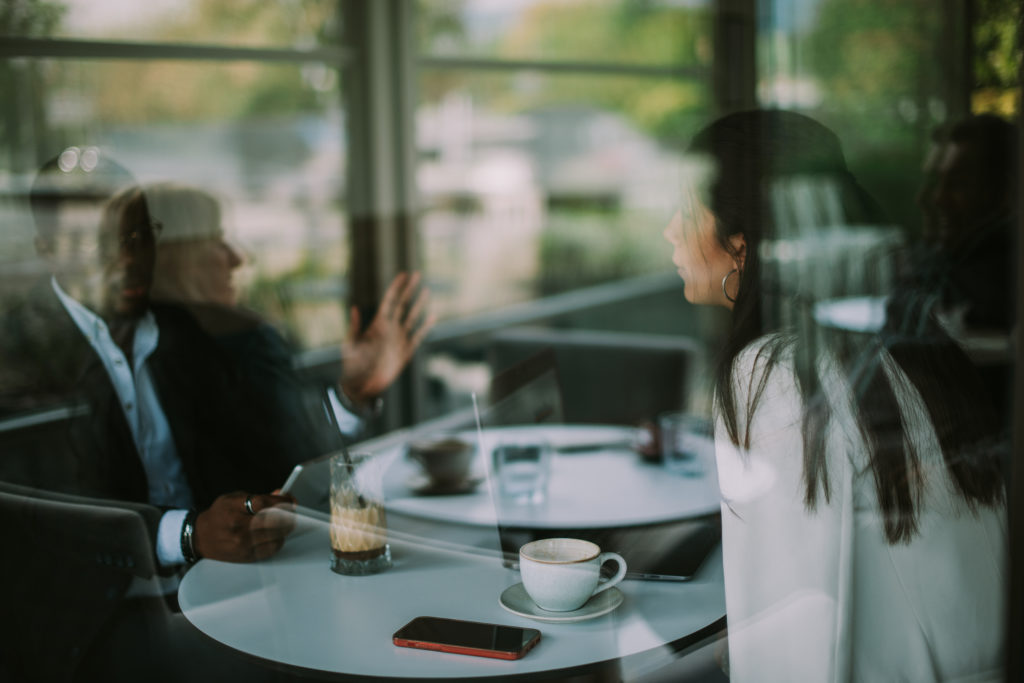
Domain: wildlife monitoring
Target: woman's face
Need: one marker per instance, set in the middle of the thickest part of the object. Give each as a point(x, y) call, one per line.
point(699, 258)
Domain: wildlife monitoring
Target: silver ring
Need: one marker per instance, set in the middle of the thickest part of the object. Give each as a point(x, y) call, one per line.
point(248, 505)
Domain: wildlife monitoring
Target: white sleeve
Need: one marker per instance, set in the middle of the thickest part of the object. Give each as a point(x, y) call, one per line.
point(168, 538)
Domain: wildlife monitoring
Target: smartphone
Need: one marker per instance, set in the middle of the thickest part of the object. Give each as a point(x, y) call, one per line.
point(467, 637)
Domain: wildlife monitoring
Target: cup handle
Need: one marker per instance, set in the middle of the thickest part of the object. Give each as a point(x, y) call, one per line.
point(619, 575)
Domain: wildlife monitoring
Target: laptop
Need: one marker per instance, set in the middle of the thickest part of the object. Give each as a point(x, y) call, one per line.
point(673, 551)
point(529, 393)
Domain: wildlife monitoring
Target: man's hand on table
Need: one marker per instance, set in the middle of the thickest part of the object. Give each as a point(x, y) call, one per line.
point(227, 531)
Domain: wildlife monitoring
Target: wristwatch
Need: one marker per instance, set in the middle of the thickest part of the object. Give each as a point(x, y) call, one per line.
point(188, 530)
point(366, 411)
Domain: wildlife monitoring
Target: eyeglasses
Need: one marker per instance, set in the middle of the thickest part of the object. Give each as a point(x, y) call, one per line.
point(147, 234)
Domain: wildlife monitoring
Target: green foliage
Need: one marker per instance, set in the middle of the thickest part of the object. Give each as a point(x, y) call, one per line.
point(626, 32)
point(617, 33)
point(879, 66)
point(30, 18)
point(438, 25)
point(182, 92)
point(997, 35)
point(582, 248)
point(870, 52)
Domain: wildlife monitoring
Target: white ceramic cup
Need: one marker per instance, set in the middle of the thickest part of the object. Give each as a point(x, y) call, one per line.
point(561, 574)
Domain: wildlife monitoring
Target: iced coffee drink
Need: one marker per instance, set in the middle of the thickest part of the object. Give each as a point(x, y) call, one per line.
point(358, 533)
point(358, 523)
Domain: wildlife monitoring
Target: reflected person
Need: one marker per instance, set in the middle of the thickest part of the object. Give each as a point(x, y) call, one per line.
point(863, 521)
point(140, 423)
point(972, 204)
point(963, 272)
point(195, 270)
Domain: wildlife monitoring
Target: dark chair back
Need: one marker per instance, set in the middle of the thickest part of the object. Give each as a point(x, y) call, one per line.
point(605, 377)
point(68, 562)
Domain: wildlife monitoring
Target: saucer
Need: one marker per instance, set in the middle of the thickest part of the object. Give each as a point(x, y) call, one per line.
point(424, 486)
point(517, 601)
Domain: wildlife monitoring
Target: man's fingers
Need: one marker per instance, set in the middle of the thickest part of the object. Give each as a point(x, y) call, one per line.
point(261, 551)
point(230, 530)
point(390, 301)
point(412, 283)
point(277, 519)
point(417, 338)
point(262, 501)
point(404, 292)
point(259, 536)
point(412, 317)
point(355, 324)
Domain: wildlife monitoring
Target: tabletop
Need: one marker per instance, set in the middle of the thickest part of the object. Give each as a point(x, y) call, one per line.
point(292, 610)
point(606, 484)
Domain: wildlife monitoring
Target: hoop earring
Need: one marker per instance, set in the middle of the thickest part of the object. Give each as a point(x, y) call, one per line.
point(726, 279)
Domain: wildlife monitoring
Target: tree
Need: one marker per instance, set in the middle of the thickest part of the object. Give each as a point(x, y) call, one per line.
point(998, 33)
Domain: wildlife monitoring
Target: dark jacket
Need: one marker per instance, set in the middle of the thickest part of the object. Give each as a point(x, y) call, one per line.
point(291, 415)
point(62, 430)
point(47, 366)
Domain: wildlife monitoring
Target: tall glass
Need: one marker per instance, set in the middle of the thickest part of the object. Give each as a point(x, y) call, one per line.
point(685, 443)
point(523, 470)
point(358, 523)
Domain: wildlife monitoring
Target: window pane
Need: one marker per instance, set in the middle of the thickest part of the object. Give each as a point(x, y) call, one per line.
point(877, 74)
point(281, 23)
point(650, 33)
point(538, 184)
point(266, 140)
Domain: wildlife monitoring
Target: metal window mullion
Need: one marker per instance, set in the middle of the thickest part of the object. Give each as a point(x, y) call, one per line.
point(380, 187)
point(560, 66)
point(54, 48)
point(734, 69)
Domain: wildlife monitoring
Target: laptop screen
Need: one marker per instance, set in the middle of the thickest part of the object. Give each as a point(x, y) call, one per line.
point(529, 393)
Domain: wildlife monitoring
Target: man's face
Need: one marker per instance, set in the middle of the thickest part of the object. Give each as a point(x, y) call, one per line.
point(127, 250)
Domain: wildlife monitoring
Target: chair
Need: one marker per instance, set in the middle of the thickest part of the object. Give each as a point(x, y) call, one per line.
point(605, 377)
point(68, 562)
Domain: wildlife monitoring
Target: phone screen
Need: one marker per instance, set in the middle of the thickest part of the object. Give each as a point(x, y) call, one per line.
point(467, 637)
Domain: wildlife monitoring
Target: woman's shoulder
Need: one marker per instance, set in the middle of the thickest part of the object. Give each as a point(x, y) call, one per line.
point(764, 356)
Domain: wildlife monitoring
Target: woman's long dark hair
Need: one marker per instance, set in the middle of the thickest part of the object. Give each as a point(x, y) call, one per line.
point(751, 152)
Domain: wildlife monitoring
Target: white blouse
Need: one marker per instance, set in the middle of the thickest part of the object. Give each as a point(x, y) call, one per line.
point(821, 595)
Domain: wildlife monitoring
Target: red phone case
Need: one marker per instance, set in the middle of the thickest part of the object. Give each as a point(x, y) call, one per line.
point(461, 650)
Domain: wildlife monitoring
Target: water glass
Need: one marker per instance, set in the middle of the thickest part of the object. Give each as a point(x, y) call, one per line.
point(686, 446)
point(522, 471)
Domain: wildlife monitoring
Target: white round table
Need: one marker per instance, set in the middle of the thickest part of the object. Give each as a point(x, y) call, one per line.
point(293, 611)
point(595, 488)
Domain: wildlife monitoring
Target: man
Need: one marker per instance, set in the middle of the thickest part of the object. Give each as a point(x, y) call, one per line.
point(195, 270)
point(144, 397)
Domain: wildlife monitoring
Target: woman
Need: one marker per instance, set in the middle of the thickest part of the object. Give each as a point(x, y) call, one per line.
point(862, 515)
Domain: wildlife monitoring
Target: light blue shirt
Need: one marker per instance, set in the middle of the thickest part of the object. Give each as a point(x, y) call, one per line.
point(167, 485)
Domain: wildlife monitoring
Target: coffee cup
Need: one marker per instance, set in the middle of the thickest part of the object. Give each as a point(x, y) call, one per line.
point(445, 459)
point(562, 574)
